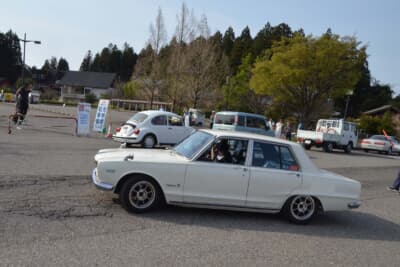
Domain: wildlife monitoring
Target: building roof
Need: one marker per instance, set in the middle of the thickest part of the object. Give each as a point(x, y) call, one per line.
point(88, 79)
point(382, 109)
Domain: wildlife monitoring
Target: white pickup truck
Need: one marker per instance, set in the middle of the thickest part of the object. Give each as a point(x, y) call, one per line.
point(330, 134)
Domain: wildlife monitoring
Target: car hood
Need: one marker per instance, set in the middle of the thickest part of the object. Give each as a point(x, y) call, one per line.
point(142, 155)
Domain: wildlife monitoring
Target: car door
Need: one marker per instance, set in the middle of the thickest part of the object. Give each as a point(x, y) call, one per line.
point(160, 128)
point(275, 173)
point(347, 134)
point(214, 183)
point(176, 130)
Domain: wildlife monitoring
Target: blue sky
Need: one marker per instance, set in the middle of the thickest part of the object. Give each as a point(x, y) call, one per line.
point(70, 28)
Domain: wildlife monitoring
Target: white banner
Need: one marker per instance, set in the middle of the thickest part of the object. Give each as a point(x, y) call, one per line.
point(101, 115)
point(83, 118)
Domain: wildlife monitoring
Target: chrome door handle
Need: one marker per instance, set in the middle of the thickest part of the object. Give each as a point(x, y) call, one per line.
point(294, 174)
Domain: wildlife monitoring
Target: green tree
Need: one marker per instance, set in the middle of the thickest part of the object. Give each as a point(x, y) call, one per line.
point(87, 62)
point(227, 41)
point(10, 56)
point(237, 93)
point(302, 73)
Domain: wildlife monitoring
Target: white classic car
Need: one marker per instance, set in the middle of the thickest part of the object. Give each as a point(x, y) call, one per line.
point(153, 127)
point(257, 173)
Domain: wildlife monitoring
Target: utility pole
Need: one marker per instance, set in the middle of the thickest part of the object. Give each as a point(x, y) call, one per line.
point(23, 58)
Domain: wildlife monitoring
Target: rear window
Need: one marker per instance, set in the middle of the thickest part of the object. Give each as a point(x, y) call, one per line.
point(378, 137)
point(224, 119)
point(138, 117)
point(255, 122)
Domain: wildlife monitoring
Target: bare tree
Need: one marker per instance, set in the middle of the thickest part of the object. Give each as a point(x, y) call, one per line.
point(147, 75)
point(203, 66)
point(184, 34)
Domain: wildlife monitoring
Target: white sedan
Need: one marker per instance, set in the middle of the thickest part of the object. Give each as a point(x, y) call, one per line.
point(258, 173)
point(381, 143)
point(153, 127)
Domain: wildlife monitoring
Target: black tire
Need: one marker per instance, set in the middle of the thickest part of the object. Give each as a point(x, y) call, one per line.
point(149, 141)
point(307, 147)
point(140, 194)
point(300, 209)
point(328, 147)
point(348, 148)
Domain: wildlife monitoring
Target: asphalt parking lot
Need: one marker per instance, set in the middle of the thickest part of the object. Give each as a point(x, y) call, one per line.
point(51, 214)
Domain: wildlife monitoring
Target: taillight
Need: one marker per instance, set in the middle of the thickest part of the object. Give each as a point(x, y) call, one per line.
point(118, 129)
point(136, 131)
point(365, 141)
point(379, 143)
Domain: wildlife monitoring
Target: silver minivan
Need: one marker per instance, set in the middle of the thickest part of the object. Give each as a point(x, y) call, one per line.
point(241, 121)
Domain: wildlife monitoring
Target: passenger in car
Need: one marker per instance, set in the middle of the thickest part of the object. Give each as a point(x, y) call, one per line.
point(222, 153)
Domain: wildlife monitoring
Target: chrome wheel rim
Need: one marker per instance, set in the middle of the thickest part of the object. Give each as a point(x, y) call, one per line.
point(149, 142)
point(302, 207)
point(142, 194)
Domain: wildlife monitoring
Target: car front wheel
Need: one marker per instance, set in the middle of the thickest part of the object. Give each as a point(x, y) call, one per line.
point(140, 194)
point(300, 209)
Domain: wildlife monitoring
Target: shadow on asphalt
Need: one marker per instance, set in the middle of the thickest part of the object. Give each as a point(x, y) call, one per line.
point(347, 224)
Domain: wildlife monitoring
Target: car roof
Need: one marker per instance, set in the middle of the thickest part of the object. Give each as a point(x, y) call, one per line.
point(158, 112)
point(239, 134)
point(239, 113)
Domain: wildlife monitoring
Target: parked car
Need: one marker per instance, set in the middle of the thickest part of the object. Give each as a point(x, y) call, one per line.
point(264, 174)
point(9, 97)
point(241, 121)
point(152, 127)
point(330, 134)
point(381, 143)
point(198, 116)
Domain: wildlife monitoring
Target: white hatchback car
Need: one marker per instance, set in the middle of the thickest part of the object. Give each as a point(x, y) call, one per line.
point(153, 127)
point(250, 172)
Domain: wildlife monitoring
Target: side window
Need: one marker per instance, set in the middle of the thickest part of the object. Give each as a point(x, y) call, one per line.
point(288, 162)
point(240, 121)
point(174, 121)
point(346, 126)
point(224, 150)
point(266, 155)
point(255, 122)
point(159, 120)
point(273, 157)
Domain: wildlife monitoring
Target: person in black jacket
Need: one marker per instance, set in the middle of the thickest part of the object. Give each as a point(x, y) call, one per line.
point(22, 97)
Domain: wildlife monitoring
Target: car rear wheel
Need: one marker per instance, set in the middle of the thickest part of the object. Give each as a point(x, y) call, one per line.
point(149, 141)
point(300, 209)
point(307, 146)
point(140, 194)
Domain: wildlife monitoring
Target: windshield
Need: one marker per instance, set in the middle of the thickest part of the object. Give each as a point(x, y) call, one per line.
point(193, 144)
point(138, 117)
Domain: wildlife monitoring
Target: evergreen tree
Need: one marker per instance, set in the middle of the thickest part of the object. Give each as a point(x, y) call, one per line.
point(10, 56)
point(87, 62)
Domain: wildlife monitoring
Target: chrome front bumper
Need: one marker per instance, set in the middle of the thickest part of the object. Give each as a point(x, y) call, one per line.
point(354, 204)
point(98, 184)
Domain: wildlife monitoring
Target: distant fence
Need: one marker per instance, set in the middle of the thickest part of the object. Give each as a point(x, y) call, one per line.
point(138, 105)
